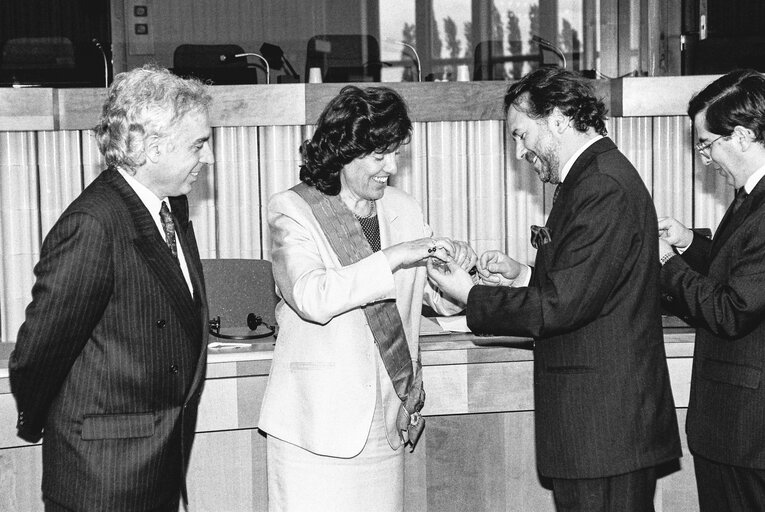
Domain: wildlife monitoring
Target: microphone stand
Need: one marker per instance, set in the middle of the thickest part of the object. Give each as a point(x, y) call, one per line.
point(106, 62)
point(547, 44)
point(268, 68)
point(416, 56)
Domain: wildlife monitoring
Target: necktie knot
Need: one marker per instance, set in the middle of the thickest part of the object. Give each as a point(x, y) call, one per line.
point(169, 228)
point(740, 197)
point(557, 191)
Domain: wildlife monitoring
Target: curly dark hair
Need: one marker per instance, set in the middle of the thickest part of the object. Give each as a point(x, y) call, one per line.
point(357, 122)
point(735, 99)
point(539, 92)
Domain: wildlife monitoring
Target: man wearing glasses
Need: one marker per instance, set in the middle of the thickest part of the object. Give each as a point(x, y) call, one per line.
point(719, 286)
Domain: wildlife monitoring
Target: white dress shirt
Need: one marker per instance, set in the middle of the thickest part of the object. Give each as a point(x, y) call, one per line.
point(524, 277)
point(154, 204)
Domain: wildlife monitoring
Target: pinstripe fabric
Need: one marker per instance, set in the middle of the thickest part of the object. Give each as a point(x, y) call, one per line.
point(109, 363)
point(719, 285)
point(603, 403)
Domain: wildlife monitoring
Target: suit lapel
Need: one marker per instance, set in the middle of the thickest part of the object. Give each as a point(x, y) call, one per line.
point(386, 217)
point(731, 221)
point(157, 256)
point(180, 208)
point(575, 174)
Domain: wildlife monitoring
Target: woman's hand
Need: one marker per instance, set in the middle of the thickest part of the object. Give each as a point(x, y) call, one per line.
point(412, 252)
point(464, 255)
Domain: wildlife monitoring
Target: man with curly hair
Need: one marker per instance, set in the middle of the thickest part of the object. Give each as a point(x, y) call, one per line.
point(110, 361)
point(604, 411)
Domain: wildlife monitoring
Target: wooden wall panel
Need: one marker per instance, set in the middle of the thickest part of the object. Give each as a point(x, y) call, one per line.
point(486, 178)
point(20, 233)
point(463, 173)
point(447, 179)
point(673, 168)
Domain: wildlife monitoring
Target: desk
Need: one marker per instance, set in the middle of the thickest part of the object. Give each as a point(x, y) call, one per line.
point(477, 452)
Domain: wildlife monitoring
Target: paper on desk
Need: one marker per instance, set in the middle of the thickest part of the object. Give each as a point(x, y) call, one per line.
point(429, 327)
point(229, 345)
point(457, 323)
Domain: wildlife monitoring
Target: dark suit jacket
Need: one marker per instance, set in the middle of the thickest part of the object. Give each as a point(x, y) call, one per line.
point(720, 285)
point(109, 363)
point(603, 404)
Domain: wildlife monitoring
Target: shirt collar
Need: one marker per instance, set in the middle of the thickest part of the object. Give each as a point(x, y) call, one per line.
point(754, 179)
point(570, 162)
point(147, 197)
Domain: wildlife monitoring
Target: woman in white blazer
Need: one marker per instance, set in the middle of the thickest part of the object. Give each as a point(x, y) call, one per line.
point(330, 408)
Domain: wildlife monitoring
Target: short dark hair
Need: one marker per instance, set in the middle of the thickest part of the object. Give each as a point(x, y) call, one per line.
point(549, 87)
point(355, 123)
point(735, 99)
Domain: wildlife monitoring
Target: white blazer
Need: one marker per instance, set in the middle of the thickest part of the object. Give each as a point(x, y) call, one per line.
point(322, 387)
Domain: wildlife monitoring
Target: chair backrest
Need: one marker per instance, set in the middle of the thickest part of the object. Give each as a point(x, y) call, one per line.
point(38, 60)
point(238, 287)
point(214, 63)
point(344, 57)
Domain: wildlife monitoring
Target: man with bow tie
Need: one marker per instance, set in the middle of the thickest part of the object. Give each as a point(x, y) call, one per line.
point(718, 285)
point(604, 411)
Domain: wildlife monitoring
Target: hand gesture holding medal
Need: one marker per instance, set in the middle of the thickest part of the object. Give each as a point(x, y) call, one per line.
point(409, 254)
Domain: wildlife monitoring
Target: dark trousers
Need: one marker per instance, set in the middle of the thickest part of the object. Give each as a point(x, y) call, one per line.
point(630, 492)
point(52, 506)
point(725, 488)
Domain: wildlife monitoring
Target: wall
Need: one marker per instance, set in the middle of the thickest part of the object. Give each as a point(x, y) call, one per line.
point(462, 171)
point(287, 23)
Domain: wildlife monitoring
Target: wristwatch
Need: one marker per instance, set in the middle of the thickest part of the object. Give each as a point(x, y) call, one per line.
point(666, 258)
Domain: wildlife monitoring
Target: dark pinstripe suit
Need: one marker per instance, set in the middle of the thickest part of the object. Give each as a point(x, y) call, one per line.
point(719, 283)
point(603, 404)
point(110, 361)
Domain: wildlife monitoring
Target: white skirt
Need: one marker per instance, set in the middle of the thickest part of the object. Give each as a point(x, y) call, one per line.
point(373, 480)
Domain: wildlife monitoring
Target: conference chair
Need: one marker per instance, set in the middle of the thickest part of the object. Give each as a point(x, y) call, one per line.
point(344, 57)
point(215, 64)
point(37, 61)
point(239, 290)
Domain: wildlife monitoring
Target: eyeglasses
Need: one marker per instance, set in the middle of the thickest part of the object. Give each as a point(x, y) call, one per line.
point(704, 147)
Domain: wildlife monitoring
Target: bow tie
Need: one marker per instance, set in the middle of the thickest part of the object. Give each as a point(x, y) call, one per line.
point(540, 235)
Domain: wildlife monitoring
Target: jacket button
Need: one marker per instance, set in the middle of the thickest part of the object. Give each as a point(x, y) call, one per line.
point(173, 369)
point(161, 324)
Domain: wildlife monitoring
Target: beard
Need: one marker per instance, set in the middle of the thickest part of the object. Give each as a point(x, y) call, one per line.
point(546, 161)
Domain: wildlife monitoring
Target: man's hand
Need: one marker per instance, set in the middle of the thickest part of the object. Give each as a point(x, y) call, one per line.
point(497, 269)
point(451, 279)
point(674, 233)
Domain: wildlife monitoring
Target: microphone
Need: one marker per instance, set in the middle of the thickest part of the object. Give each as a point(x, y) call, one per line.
point(547, 44)
point(416, 56)
point(230, 57)
point(106, 62)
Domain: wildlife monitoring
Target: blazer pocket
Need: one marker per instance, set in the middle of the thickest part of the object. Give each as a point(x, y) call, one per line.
point(117, 426)
point(731, 373)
